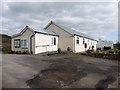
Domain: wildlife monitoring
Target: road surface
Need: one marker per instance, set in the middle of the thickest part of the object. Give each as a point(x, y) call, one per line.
point(90, 72)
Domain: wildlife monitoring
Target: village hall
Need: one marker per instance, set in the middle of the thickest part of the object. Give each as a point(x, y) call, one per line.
point(52, 37)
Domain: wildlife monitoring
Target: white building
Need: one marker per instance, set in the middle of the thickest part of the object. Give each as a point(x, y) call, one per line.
point(71, 38)
point(52, 37)
point(35, 42)
point(101, 44)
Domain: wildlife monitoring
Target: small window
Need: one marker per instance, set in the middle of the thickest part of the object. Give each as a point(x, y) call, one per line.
point(23, 43)
point(77, 41)
point(83, 41)
point(17, 43)
point(54, 41)
point(88, 41)
point(85, 45)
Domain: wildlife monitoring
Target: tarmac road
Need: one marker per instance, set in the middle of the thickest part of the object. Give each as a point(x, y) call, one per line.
point(17, 69)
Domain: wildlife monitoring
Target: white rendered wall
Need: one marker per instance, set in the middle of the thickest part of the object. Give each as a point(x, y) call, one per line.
point(26, 35)
point(102, 44)
point(43, 43)
point(81, 47)
point(65, 39)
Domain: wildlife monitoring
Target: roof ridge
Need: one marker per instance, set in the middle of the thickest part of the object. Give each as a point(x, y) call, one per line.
point(73, 31)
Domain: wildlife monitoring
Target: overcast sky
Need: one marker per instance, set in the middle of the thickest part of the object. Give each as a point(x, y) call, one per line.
point(96, 19)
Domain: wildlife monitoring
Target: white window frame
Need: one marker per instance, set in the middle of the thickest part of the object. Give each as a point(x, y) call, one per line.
point(77, 40)
point(24, 43)
point(83, 40)
point(88, 41)
point(54, 41)
point(17, 43)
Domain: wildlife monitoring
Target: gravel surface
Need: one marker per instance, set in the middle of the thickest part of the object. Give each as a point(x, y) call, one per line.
point(58, 71)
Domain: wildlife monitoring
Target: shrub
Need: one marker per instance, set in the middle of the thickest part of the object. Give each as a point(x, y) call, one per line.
point(59, 50)
point(25, 52)
point(83, 53)
point(16, 52)
point(19, 52)
point(68, 49)
point(113, 51)
point(12, 52)
point(89, 51)
point(106, 48)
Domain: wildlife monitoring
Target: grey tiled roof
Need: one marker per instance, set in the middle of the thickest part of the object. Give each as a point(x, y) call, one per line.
point(18, 34)
point(73, 32)
point(46, 32)
point(42, 31)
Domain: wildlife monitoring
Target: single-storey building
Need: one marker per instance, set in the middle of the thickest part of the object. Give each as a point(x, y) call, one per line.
point(76, 41)
point(104, 44)
point(52, 37)
point(34, 42)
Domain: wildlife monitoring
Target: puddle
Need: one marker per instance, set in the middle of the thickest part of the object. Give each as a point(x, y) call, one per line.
point(63, 73)
point(57, 75)
point(103, 84)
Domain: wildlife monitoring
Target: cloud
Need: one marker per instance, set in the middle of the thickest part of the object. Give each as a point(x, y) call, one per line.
point(97, 19)
point(61, 1)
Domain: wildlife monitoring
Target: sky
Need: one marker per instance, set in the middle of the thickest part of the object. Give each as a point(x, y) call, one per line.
point(96, 19)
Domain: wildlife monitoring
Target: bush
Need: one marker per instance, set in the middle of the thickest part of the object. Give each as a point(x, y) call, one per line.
point(16, 52)
point(51, 53)
point(113, 51)
point(59, 50)
point(89, 51)
point(68, 49)
point(83, 53)
point(25, 52)
point(19, 52)
point(112, 54)
point(106, 48)
point(12, 52)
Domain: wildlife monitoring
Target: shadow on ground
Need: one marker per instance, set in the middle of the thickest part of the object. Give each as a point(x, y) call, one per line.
point(103, 84)
point(64, 72)
point(59, 74)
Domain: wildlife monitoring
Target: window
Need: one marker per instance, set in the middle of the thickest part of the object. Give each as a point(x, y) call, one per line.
point(77, 40)
point(88, 42)
point(91, 42)
point(83, 41)
point(85, 45)
point(23, 43)
point(54, 41)
point(17, 43)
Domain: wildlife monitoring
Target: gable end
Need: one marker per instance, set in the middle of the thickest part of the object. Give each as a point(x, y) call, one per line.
point(56, 26)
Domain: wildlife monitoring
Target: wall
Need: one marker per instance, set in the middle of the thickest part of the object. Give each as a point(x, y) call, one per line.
point(43, 43)
point(66, 42)
point(26, 35)
point(65, 39)
point(81, 47)
point(33, 44)
point(102, 44)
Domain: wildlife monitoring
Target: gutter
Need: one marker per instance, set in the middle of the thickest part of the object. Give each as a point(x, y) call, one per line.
point(45, 33)
point(74, 43)
point(86, 37)
point(31, 43)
